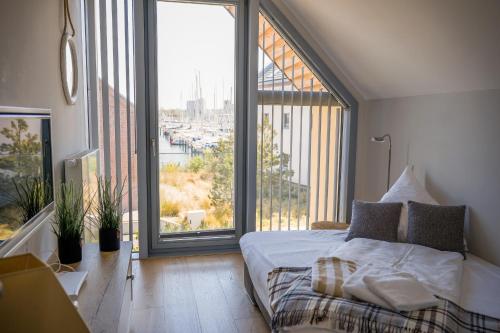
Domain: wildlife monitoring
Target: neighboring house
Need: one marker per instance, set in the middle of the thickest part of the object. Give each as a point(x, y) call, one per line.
point(301, 139)
point(123, 143)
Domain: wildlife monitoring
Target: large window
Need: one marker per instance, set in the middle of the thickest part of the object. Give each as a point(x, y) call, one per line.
point(237, 128)
point(196, 116)
point(299, 139)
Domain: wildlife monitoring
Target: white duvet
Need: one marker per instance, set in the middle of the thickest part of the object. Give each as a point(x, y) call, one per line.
point(439, 271)
point(263, 251)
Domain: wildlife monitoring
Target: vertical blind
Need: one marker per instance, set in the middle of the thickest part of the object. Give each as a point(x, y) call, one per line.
point(111, 100)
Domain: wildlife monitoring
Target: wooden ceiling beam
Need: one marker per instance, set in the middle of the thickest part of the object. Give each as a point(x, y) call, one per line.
point(269, 32)
point(278, 45)
point(295, 66)
point(266, 38)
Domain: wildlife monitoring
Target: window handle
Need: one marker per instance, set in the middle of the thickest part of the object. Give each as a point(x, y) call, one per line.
point(153, 146)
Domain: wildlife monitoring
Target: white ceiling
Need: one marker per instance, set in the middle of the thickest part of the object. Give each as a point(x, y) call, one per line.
point(396, 48)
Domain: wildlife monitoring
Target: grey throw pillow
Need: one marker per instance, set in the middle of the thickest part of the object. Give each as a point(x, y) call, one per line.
point(439, 227)
point(375, 220)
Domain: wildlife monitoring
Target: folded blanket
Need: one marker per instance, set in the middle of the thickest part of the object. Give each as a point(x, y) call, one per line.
point(401, 291)
point(328, 275)
point(294, 303)
point(355, 287)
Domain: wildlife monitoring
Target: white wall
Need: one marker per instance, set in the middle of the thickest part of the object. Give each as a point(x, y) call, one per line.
point(295, 139)
point(453, 141)
point(30, 32)
point(393, 48)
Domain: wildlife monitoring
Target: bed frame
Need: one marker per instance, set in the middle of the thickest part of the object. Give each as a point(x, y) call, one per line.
point(254, 298)
point(252, 294)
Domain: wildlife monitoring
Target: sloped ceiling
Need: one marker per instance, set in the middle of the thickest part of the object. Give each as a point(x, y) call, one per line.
point(395, 48)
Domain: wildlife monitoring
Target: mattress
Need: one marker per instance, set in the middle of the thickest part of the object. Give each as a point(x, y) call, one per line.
point(263, 251)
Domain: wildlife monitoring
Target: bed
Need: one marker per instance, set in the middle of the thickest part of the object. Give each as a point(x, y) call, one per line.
point(264, 251)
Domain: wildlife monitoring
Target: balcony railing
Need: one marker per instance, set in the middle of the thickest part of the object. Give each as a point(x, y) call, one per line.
point(299, 162)
point(300, 141)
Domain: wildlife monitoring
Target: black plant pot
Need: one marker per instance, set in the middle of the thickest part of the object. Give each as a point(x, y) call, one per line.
point(69, 250)
point(109, 240)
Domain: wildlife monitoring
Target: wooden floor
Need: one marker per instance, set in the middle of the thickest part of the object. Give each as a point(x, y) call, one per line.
point(193, 294)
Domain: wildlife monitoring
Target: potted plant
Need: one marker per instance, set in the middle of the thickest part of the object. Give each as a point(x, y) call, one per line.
point(69, 223)
point(108, 214)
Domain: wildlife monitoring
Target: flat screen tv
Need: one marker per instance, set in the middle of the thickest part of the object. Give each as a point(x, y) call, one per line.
point(26, 185)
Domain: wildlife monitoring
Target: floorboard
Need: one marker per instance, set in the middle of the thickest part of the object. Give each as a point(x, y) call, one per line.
point(193, 294)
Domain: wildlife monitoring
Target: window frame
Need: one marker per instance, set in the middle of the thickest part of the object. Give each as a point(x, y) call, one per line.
point(349, 103)
point(248, 37)
point(194, 242)
point(286, 120)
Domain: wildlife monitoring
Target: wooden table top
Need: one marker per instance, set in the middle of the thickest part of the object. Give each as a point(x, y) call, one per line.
point(101, 296)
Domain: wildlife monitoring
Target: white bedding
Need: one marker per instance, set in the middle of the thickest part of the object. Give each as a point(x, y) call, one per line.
point(438, 271)
point(263, 251)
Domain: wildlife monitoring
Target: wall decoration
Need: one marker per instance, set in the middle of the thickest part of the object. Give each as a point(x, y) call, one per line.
point(68, 61)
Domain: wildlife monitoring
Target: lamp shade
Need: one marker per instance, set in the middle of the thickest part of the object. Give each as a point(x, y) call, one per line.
point(33, 300)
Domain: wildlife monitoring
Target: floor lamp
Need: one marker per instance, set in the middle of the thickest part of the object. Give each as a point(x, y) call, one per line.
point(382, 139)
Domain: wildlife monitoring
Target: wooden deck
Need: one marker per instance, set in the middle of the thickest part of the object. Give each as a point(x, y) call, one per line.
point(193, 294)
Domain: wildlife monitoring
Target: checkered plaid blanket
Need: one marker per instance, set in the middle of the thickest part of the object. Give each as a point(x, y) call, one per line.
point(294, 303)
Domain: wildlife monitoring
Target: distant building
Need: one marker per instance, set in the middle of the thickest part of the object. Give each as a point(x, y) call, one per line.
point(266, 77)
point(123, 144)
point(195, 109)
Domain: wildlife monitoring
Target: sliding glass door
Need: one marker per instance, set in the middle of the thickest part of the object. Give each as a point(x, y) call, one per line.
point(194, 124)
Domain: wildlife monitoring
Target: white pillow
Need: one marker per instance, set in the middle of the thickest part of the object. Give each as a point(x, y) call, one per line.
point(407, 188)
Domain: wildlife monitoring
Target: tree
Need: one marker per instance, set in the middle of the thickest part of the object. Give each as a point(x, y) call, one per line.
point(20, 157)
point(195, 164)
point(272, 160)
point(23, 151)
point(220, 163)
